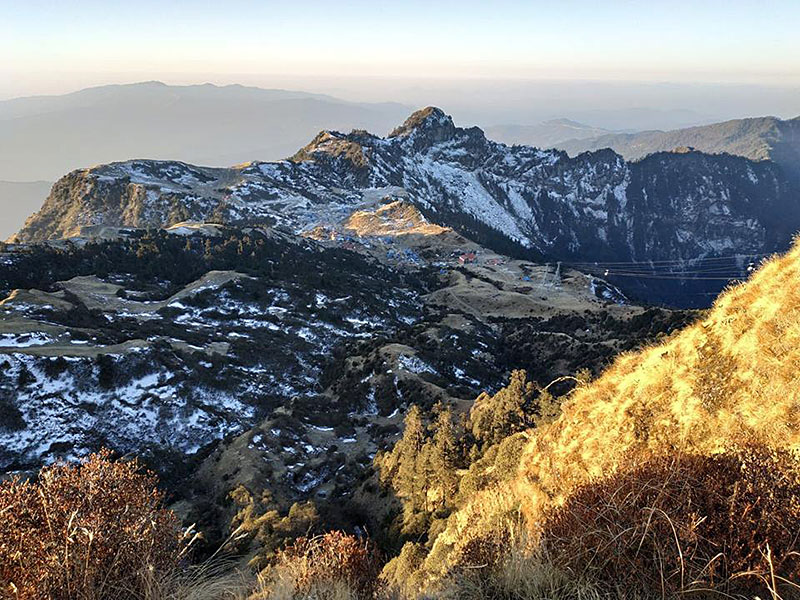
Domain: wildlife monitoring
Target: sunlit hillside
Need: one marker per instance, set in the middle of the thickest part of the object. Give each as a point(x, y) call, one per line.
point(730, 379)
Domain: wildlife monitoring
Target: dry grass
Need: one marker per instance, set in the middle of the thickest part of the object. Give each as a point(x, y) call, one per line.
point(521, 571)
point(283, 588)
point(731, 378)
point(211, 581)
point(395, 218)
point(334, 566)
point(674, 525)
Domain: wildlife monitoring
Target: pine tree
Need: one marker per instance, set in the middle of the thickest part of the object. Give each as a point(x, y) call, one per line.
point(408, 452)
point(424, 476)
point(493, 418)
point(444, 457)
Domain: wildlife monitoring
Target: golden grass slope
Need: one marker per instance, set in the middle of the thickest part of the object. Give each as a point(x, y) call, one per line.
point(395, 218)
point(731, 378)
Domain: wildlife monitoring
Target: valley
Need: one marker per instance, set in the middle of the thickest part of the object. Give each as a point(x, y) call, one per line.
point(399, 301)
point(249, 356)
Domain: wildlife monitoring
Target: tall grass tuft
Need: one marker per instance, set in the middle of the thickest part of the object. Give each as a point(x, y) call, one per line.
point(728, 523)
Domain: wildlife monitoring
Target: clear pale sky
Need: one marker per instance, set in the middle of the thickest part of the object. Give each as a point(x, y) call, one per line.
point(62, 45)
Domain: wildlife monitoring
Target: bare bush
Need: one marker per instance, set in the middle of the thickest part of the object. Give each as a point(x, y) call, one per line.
point(331, 566)
point(86, 531)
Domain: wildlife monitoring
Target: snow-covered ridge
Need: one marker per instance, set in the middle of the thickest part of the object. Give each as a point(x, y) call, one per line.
point(595, 206)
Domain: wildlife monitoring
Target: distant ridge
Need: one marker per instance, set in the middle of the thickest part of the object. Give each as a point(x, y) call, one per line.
point(547, 134)
point(760, 138)
point(43, 137)
point(672, 208)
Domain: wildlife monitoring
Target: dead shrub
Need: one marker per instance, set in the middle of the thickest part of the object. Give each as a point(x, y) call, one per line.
point(728, 523)
point(329, 561)
point(485, 551)
point(85, 531)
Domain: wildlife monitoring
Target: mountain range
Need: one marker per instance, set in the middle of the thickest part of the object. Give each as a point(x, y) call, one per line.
point(651, 226)
point(46, 136)
point(220, 126)
point(762, 138)
point(361, 336)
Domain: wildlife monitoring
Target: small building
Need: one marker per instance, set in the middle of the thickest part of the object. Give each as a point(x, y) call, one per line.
point(467, 258)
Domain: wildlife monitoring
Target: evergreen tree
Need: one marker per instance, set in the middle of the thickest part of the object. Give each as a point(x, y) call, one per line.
point(444, 457)
point(493, 418)
point(424, 476)
point(408, 456)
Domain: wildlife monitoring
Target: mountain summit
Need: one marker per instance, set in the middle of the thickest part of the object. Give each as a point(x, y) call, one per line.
point(431, 122)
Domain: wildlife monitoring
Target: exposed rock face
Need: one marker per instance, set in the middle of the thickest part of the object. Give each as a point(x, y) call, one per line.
point(428, 126)
point(519, 200)
point(121, 198)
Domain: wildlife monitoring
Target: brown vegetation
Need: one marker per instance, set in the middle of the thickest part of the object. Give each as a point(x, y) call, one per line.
point(331, 566)
point(728, 522)
point(87, 531)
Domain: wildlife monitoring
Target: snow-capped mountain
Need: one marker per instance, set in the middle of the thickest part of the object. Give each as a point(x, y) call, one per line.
point(518, 199)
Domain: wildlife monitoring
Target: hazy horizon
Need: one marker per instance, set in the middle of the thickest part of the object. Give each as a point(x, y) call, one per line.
point(617, 105)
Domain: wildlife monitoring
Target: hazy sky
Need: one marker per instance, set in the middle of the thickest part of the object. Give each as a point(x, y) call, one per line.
point(62, 45)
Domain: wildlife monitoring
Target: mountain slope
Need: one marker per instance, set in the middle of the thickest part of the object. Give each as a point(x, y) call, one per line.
point(673, 209)
point(272, 360)
point(732, 377)
point(155, 343)
point(44, 137)
point(764, 138)
point(729, 379)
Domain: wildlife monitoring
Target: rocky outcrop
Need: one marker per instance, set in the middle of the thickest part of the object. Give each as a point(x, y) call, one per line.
point(120, 197)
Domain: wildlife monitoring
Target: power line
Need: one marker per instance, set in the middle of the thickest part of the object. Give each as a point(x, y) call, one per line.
point(713, 268)
point(684, 261)
point(674, 277)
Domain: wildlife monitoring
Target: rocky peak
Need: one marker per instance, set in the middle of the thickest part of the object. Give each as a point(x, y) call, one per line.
point(431, 124)
point(343, 153)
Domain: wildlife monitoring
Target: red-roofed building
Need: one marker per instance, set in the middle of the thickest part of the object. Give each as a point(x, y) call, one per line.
point(467, 258)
